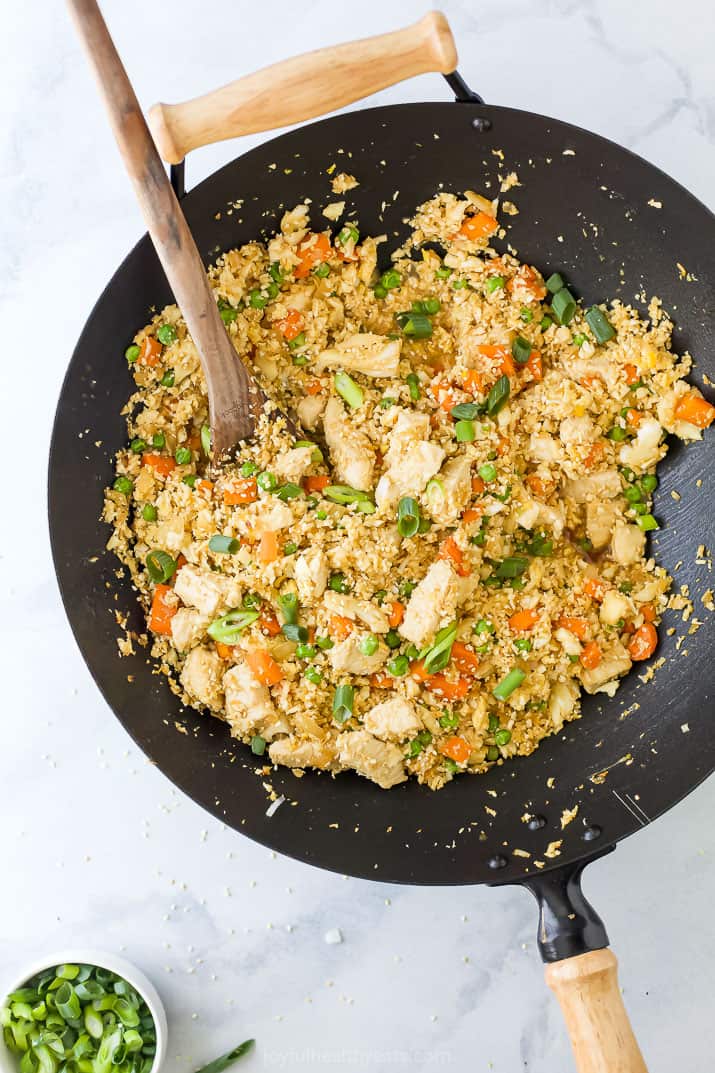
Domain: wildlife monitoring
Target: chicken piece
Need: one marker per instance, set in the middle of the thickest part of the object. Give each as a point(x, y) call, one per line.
point(601, 517)
point(366, 353)
point(311, 574)
point(451, 490)
point(293, 464)
point(432, 604)
point(544, 448)
point(346, 657)
point(534, 513)
point(409, 427)
point(335, 603)
point(393, 720)
point(382, 763)
point(187, 627)
point(614, 607)
point(249, 707)
point(271, 515)
point(201, 677)
point(294, 224)
point(603, 485)
point(206, 591)
point(351, 452)
point(409, 475)
point(309, 410)
point(604, 678)
point(573, 430)
point(294, 752)
point(628, 543)
point(645, 450)
point(562, 702)
point(568, 641)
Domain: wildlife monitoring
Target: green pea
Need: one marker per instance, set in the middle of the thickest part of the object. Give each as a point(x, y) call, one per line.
point(649, 483)
point(256, 300)
point(266, 481)
point(398, 666)
point(167, 379)
point(166, 334)
point(182, 456)
point(393, 639)
point(313, 675)
point(132, 353)
point(138, 445)
point(248, 469)
point(522, 644)
point(149, 512)
point(369, 645)
point(503, 736)
point(305, 651)
point(488, 472)
point(123, 485)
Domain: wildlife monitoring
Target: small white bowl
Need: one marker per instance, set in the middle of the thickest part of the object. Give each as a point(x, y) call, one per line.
point(9, 1062)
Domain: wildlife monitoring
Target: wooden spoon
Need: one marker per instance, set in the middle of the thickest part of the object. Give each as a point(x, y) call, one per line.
point(235, 399)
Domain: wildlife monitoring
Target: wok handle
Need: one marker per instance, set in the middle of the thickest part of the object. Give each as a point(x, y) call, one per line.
point(304, 87)
point(234, 397)
point(601, 1034)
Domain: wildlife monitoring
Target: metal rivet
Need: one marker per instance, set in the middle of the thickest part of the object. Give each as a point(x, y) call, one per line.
point(481, 124)
point(592, 832)
point(536, 823)
point(497, 861)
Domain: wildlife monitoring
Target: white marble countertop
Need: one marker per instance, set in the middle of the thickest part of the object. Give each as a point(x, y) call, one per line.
point(98, 848)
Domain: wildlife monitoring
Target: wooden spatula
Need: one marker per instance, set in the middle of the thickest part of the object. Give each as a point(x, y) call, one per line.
point(235, 399)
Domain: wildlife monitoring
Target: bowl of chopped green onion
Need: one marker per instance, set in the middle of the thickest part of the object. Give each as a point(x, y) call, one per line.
point(82, 1012)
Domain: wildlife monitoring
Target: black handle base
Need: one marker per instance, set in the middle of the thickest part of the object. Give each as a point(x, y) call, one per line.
point(568, 923)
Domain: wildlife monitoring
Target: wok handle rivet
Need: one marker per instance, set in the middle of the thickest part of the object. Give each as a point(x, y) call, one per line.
point(592, 832)
point(497, 861)
point(481, 124)
point(536, 823)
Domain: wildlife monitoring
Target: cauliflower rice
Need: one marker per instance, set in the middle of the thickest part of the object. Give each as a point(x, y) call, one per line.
point(280, 593)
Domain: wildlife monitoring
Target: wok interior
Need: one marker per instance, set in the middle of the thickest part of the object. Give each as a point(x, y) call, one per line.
point(584, 211)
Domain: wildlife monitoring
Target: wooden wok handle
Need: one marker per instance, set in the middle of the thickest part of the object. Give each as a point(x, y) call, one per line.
point(304, 87)
point(588, 993)
point(233, 395)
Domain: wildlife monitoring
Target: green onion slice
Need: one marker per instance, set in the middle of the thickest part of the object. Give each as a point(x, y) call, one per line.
point(555, 283)
point(349, 390)
point(408, 516)
point(413, 383)
point(219, 1064)
point(227, 629)
point(521, 350)
point(415, 325)
point(563, 306)
point(160, 566)
point(511, 681)
point(343, 493)
point(343, 700)
point(224, 545)
point(296, 633)
point(206, 439)
point(599, 324)
point(465, 432)
point(465, 411)
point(513, 566)
point(288, 604)
point(438, 654)
point(498, 395)
point(289, 491)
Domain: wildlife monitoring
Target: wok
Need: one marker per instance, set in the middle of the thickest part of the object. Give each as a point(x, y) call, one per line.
point(617, 226)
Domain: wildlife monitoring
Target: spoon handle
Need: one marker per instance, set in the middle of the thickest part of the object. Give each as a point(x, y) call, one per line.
point(234, 397)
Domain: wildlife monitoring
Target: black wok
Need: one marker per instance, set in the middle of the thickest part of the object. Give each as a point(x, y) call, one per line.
point(628, 759)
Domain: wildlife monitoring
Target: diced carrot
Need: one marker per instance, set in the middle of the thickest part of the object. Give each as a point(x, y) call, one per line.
point(291, 324)
point(162, 610)
point(535, 366)
point(313, 388)
point(341, 626)
point(268, 622)
point(268, 546)
point(507, 365)
point(205, 486)
point(644, 641)
point(456, 748)
point(264, 667)
point(437, 683)
point(478, 485)
point(225, 651)
point(595, 588)
point(397, 613)
point(494, 351)
point(575, 625)
point(473, 382)
point(529, 280)
point(524, 620)
point(631, 372)
point(161, 464)
point(479, 226)
point(418, 672)
point(241, 491)
point(312, 251)
point(472, 514)
point(450, 549)
point(316, 483)
point(536, 485)
point(444, 395)
point(648, 612)
point(634, 417)
point(502, 446)
point(590, 656)
point(149, 351)
point(595, 454)
point(464, 658)
point(694, 409)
